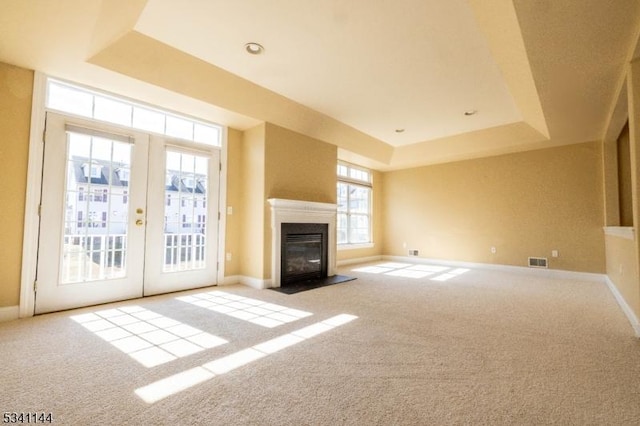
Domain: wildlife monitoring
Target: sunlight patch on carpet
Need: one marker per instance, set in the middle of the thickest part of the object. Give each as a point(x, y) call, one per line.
point(254, 311)
point(172, 385)
point(147, 337)
point(408, 270)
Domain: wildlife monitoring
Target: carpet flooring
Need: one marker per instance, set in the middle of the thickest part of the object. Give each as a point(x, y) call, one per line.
point(401, 345)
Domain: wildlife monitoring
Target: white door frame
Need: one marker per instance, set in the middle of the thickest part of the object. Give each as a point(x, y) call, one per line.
point(34, 187)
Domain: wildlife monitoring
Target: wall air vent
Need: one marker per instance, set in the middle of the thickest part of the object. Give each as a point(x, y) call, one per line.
point(414, 252)
point(538, 262)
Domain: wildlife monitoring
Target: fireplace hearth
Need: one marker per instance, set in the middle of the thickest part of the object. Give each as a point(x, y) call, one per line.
point(303, 252)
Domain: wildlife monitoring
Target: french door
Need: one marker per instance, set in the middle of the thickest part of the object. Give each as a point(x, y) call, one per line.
point(123, 214)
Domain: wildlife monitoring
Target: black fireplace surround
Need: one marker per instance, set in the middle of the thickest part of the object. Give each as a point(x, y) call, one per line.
point(303, 252)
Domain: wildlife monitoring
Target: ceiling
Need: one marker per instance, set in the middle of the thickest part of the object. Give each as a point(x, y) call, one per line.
point(536, 74)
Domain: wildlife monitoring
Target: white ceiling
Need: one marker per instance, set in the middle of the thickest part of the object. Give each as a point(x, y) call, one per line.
point(372, 65)
point(539, 74)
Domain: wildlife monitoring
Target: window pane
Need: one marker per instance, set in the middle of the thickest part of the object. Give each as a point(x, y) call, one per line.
point(343, 170)
point(342, 228)
point(358, 199)
point(96, 218)
point(359, 174)
point(67, 99)
point(343, 190)
point(185, 212)
point(358, 229)
point(146, 119)
point(179, 128)
point(112, 111)
point(206, 134)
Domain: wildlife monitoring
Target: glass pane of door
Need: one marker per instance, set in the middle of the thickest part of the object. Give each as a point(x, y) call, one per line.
point(96, 209)
point(185, 211)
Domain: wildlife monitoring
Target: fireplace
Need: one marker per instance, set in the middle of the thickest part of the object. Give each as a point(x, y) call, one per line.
point(321, 217)
point(303, 252)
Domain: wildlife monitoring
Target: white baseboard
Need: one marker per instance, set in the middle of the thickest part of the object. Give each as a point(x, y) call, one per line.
point(231, 279)
point(548, 273)
point(358, 260)
point(256, 283)
point(9, 313)
point(631, 316)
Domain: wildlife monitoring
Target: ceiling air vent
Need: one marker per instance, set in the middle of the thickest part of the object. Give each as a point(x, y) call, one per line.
point(538, 262)
point(413, 252)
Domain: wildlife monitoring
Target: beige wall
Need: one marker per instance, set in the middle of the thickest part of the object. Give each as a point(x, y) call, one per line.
point(16, 90)
point(624, 179)
point(524, 204)
point(297, 167)
point(234, 201)
point(251, 211)
point(377, 222)
point(622, 269)
point(274, 163)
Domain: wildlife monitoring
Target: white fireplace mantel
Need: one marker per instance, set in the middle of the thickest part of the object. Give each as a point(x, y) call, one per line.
point(294, 211)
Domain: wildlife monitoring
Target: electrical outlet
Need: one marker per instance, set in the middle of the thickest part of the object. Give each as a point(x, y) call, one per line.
point(404, 245)
point(229, 210)
point(228, 257)
point(554, 253)
point(493, 250)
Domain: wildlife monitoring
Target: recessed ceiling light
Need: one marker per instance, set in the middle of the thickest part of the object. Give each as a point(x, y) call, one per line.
point(399, 130)
point(254, 48)
point(471, 112)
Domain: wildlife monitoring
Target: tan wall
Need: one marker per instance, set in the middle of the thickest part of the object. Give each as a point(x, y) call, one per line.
point(250, 213)
point(622, 269)
point(624, 179)
point(16, 91)
point(234, 201)
point(524, 204)
point(297, 167)
point(377, 222)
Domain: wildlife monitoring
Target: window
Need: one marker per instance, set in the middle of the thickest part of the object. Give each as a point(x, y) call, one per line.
point(72, 99)
point(81, 194)
point(354, 205)
point(125, 197)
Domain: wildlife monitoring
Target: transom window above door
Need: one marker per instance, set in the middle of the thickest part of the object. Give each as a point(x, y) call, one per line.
point(82, 102)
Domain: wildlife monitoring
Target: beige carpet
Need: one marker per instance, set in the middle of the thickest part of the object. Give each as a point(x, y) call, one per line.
point(482, 347)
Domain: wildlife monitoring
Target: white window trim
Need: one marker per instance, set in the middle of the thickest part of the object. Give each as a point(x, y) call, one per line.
point(347, 246)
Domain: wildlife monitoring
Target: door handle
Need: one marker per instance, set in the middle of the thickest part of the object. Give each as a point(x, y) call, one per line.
point(139, 222)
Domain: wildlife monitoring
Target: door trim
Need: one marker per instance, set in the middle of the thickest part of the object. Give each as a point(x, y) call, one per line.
point(32, 202)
